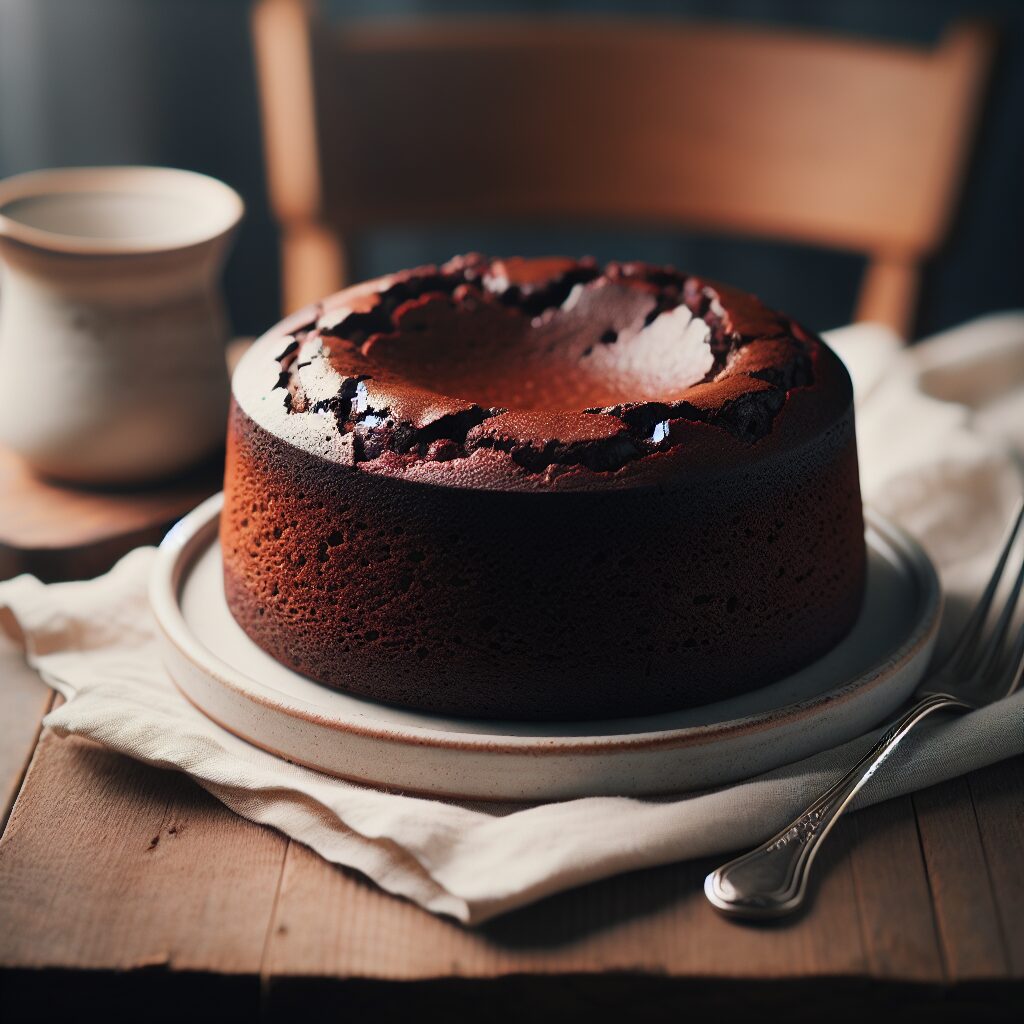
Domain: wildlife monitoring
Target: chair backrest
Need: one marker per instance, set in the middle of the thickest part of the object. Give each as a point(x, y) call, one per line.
point(795, 136)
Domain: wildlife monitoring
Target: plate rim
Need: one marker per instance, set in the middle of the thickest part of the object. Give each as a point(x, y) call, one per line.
point(191, 534)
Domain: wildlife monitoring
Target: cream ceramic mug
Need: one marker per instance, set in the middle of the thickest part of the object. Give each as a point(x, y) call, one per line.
point(112, 325)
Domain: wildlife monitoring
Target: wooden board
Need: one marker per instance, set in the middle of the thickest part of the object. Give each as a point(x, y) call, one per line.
point(59, 532)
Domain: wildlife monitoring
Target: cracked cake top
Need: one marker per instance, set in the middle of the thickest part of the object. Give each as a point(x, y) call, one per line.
point(544, 373)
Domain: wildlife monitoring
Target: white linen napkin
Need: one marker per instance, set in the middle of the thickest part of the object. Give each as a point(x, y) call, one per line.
point(939, 430)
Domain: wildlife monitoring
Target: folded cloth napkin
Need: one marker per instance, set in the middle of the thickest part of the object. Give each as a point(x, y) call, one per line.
point(938, 452)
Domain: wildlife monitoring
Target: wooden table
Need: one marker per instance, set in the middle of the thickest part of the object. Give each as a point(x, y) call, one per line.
point(132, 889)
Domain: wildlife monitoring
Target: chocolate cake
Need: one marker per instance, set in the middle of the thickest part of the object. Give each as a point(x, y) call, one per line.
point(540, 489)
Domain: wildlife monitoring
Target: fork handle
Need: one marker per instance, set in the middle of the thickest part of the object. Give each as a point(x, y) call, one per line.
point(771, 880)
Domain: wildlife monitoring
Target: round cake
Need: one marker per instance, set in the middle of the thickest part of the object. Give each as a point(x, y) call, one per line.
point(542, 489)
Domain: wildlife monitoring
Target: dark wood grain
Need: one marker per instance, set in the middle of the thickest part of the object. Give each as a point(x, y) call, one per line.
point(969, 928)
point(998, 796)
point(893, 900)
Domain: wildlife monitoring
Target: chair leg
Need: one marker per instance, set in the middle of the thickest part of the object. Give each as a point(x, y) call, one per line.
point(888, 293)
point(313, 264)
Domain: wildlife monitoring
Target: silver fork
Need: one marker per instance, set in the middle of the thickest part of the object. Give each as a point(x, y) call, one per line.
point(771, 881)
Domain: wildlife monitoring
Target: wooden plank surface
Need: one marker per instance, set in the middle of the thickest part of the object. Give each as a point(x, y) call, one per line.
point(108, 866)
point(970, 933)
point(25, 700)
point(114, 846)
point(997, 793)
point(333, 923)
point(891, 884)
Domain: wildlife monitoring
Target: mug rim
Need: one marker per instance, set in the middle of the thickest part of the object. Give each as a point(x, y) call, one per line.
point(223, 207)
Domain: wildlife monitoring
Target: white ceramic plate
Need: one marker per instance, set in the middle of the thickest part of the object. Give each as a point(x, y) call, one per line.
point(236, 684)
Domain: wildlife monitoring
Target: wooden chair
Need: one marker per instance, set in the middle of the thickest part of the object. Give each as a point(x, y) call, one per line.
point(822, 140)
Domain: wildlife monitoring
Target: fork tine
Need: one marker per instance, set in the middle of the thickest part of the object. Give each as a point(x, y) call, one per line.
point(996, 639)
point(963, 649)
point(1013, 669)
point(1016, 665)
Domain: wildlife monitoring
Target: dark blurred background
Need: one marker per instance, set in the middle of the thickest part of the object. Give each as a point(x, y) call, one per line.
point(172, 82)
